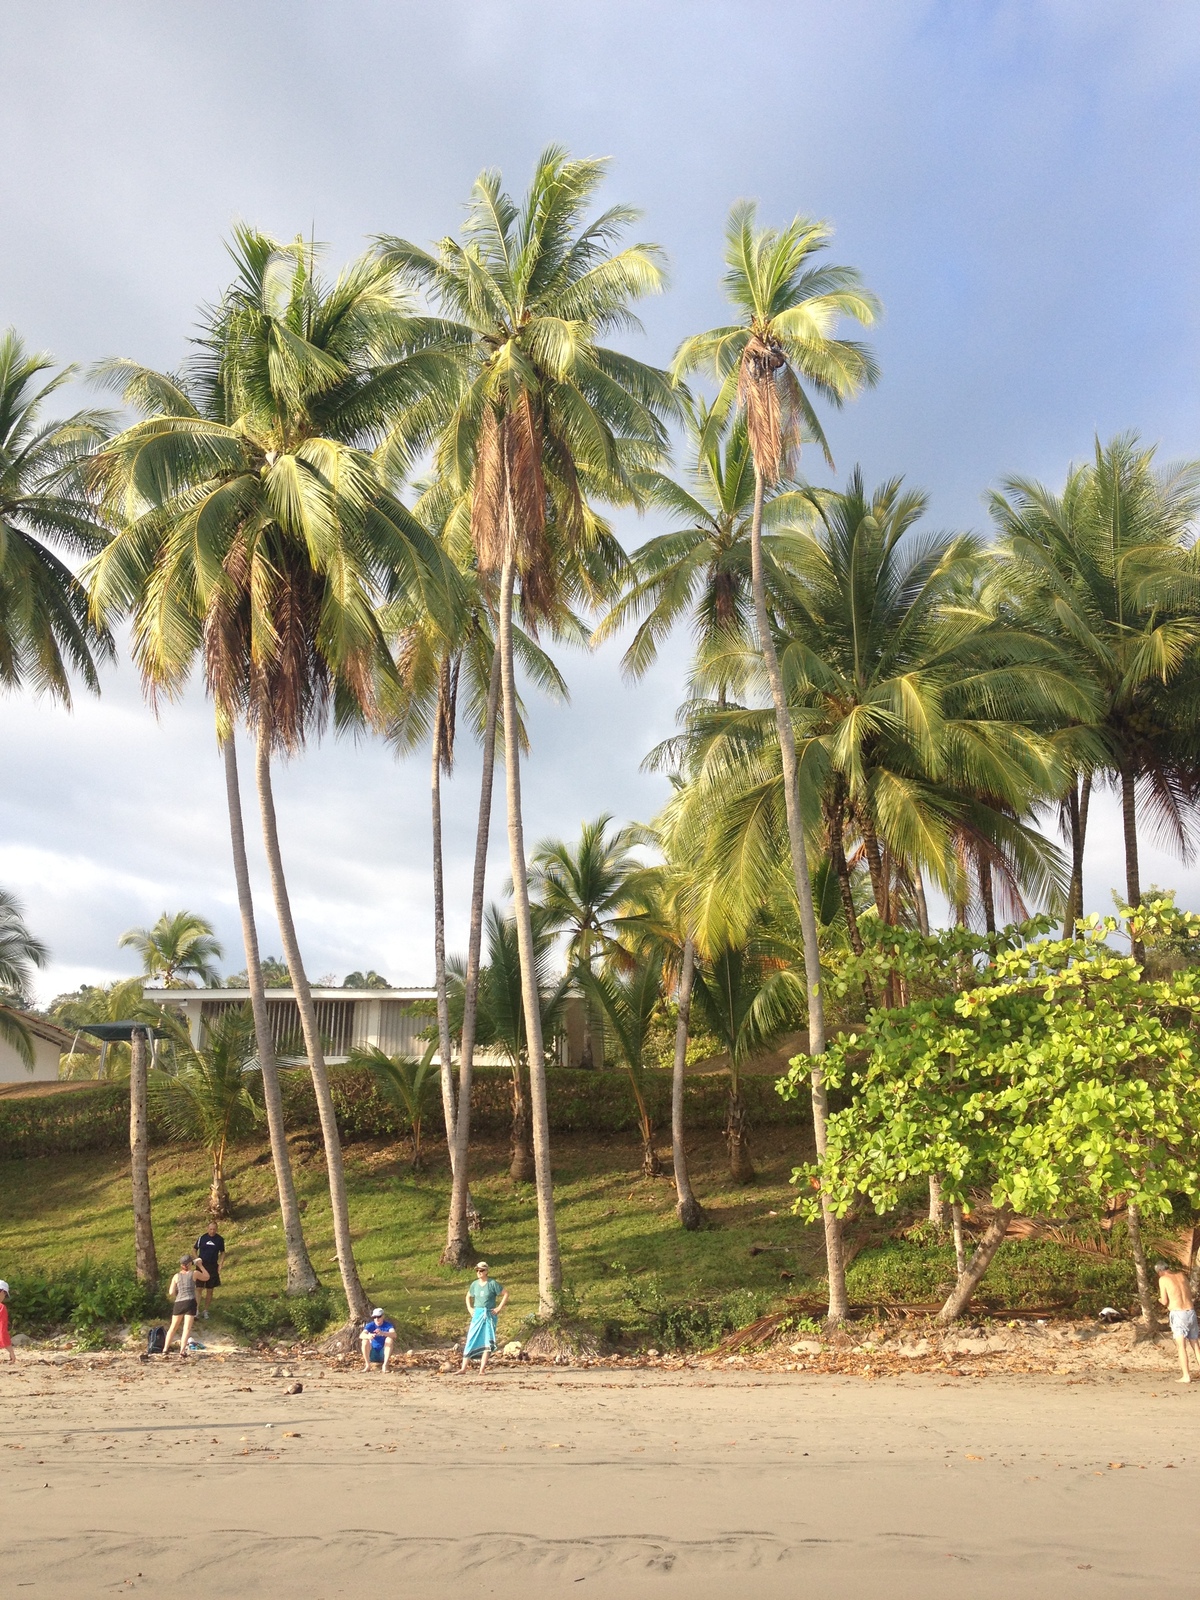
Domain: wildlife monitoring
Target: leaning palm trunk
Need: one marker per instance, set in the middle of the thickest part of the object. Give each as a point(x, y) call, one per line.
point(301, 1278)
point(838, 1304)
point(651, 1165)
point(972, 1274)
point(458, 1237)
point(689, 1209)
point(1078, 798)
point(356, 1300)
point(549, 1264)
point(1141, 1267)
point(218, 1191)
point(146, 1261)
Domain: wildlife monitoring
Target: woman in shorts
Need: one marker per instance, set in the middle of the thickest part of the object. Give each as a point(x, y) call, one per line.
point(183, 1302)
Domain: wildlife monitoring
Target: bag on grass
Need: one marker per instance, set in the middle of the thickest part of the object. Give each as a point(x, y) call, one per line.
point(156, 1341)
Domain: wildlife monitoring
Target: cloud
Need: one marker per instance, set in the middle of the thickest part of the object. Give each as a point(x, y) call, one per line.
point(1016, 181)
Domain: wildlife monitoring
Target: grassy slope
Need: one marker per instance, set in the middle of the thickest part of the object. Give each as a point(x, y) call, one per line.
point(56, 1211)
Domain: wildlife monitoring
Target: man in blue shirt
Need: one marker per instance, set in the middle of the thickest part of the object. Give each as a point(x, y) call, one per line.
point(377, 1339)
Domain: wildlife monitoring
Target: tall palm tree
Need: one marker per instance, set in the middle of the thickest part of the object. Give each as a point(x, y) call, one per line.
point(176, 948)
point(584, 893)
point(442, 661)
point(790, 308)
point(1104, 567)
point(207, 1097)
point(255, 526)
point(549, 423)
point(46, 631)
point(20, 953)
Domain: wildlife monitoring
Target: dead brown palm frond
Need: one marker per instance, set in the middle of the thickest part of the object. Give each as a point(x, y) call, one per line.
point(489, 502)
point(758, 394)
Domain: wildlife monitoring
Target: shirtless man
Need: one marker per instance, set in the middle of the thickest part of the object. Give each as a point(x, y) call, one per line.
point(1173, 1292)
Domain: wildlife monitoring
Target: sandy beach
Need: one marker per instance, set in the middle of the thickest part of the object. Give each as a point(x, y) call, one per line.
point(119, 1477)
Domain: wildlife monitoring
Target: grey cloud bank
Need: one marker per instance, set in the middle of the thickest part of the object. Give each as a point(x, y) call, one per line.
point(1018, 183)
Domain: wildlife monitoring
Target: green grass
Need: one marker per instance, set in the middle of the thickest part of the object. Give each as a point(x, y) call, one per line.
point(56, 1212)
point(625, 1259)
point(1025, 1273)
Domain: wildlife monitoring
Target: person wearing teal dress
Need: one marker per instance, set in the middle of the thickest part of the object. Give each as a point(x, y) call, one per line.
point(486, 1299)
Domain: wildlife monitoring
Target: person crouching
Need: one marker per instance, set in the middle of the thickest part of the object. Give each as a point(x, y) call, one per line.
point(377, 1340)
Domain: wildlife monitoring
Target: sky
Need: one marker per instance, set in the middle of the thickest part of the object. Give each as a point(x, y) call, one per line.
point(1016, 181)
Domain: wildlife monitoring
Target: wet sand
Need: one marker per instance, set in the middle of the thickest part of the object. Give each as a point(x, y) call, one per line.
point(208, 1479)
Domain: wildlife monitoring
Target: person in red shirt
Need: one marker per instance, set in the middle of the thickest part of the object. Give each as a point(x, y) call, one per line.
point(5, 1336)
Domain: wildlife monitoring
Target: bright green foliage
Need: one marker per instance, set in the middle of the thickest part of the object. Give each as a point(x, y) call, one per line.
point(1058, 1082)
point(208, 1096)
point(20, 952)
point(630, 1002)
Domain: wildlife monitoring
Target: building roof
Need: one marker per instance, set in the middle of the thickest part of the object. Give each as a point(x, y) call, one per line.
point(65, 1038)
point(181, 996)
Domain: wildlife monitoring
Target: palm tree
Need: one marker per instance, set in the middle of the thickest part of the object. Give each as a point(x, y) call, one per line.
point(584, 893)
point(931, 712)
point(1104, 568)
point(790, 308)
point(255, 526)
point(115, 1002)
point(207, 1097)
point(631, 1002)
point(405, 1084)
point(549, 422)
point(440, 663)
point(45, 628)
point(700, 572)
point(500, 1016)
point(20, 953)
point(176, 948)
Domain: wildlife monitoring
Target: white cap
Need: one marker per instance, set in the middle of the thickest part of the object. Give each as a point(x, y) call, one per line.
point(378, 1311)
point(3, 1287)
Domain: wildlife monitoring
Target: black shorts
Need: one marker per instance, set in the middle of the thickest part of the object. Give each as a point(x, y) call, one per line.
point(214, 1278)
point(184, 1308)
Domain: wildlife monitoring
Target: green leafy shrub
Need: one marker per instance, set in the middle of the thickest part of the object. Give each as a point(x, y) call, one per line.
point(259, 1316)
point(311, 1314)
point(87, 1300)
point(686, 1324)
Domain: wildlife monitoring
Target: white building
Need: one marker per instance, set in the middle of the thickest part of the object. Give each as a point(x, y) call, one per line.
point(49, 1043)
point(348, 1019)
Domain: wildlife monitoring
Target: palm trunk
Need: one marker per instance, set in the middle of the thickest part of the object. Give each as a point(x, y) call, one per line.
point(549, 1264)
point(1133, 881)
point(986, 895)
point(146, 1261)
point(841, 868)
point(521, 1167)
point(651, 1165)
point(301, 1278)
point(458, 1237)
point(918, 889)
point(357, 1303)
point(741, 1168)
point(972, 1275)
point(218, 1192)
point(689, 1209)
point(1078, 803)
point(1141, 1268)
point(960, 1249)
point(445, 1049)
point(866, 823)
point(838, 1304)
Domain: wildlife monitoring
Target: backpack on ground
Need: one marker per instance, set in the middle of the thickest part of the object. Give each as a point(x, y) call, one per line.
point(156, 1341)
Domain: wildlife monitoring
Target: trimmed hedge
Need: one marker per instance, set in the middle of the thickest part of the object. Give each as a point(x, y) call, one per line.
point(96, 1117)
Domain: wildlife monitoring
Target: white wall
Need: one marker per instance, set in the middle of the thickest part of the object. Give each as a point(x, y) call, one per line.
point(45, 1063)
